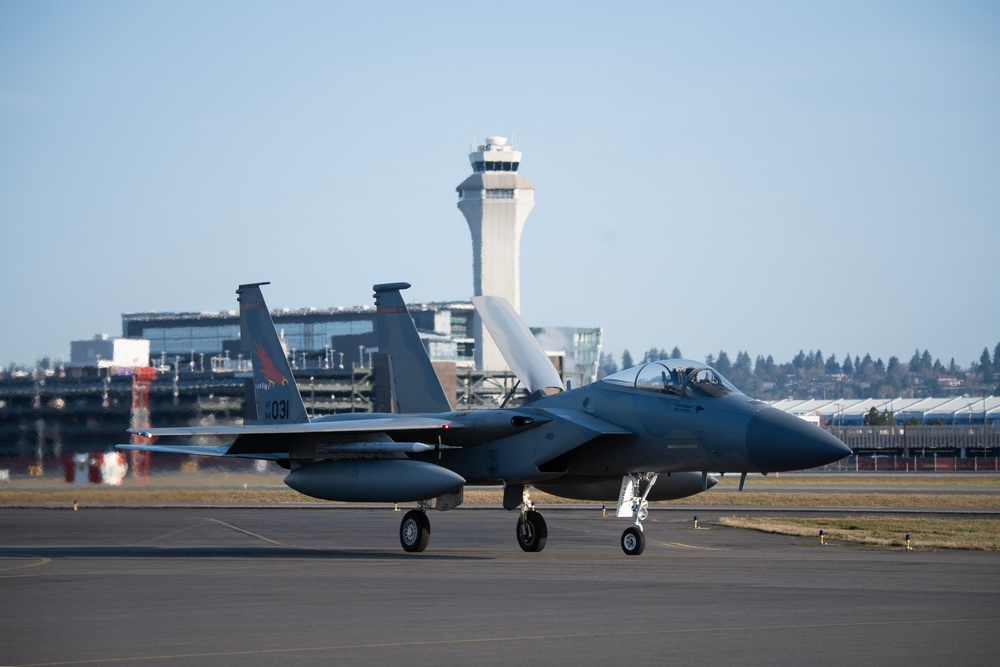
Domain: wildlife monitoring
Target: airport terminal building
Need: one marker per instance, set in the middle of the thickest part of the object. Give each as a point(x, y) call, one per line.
point(341, 337)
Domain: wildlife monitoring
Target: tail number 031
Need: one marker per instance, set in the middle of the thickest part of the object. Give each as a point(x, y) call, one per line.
point(276, 410)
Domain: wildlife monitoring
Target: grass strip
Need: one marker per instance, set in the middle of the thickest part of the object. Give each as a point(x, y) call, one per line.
point(111, 496)
point(871, 479)
point(888, 531)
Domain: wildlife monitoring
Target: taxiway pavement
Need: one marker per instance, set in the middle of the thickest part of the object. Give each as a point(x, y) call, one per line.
point(328, 585)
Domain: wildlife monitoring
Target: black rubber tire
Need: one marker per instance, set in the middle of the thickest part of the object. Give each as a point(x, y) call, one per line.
point(531, 531)
point(414, 531)
point(633, 541)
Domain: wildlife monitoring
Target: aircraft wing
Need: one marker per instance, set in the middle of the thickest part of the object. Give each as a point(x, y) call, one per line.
point(579, 435)
point(519, 347)
point(360, 426)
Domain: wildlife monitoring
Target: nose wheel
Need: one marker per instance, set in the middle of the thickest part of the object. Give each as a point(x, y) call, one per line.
point(633, 541)
point(632, 503)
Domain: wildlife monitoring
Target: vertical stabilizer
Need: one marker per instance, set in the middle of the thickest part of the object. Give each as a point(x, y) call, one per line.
point(417, 386)
point(275, 393)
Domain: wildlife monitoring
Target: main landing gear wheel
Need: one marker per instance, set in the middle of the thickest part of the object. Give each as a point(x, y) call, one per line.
point(415, 531)
point(633, 541)
point(531, 531)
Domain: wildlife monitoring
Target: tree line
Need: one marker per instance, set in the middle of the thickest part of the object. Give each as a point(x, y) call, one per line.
point(813, 375)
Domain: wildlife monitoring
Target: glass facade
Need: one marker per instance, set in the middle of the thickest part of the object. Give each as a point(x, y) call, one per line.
point(316, 335)
point(187, 339)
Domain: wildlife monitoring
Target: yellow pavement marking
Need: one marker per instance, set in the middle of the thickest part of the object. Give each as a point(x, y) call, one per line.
point(247, 532)
point(681, 545)
point(41, 561)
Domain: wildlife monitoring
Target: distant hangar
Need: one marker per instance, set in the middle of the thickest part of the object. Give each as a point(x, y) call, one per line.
point(953, 411)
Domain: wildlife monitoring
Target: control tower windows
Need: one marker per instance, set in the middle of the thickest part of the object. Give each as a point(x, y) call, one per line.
point(481, 166)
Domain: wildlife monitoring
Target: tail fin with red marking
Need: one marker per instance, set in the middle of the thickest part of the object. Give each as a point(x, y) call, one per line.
point(275, 394)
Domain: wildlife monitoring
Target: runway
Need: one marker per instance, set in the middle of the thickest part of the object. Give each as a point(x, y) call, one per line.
point(330, 585)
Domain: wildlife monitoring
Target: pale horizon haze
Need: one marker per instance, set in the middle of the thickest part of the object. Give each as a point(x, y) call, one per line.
point(768, 177)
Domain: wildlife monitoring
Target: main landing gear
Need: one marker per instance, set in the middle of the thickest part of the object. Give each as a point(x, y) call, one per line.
point(632, 502)
point(415, 530)
point(532, 532)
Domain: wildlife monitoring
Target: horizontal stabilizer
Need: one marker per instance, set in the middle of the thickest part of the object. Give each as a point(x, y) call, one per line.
point(519, 347)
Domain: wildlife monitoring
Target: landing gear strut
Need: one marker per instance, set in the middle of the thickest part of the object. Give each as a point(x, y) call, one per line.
point(415, 531)
point(632, 502)
point(532, 532)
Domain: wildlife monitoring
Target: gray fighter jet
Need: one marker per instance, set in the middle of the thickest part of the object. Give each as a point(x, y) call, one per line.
point(647, 433)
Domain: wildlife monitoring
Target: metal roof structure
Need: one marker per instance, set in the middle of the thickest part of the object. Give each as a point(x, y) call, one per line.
point(957, 410)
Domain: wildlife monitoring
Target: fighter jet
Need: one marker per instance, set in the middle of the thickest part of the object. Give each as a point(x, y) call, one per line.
point(647, 433)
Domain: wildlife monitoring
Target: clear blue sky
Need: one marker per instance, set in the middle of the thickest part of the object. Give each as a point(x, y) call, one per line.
point(767, 176)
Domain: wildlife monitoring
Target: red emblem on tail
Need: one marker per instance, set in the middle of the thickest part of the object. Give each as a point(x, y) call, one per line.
point(267, 367)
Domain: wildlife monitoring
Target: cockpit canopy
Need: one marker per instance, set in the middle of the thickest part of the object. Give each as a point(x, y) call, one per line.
point(679, 377)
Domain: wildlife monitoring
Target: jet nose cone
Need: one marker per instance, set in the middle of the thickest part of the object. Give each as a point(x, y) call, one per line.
point(778, 441)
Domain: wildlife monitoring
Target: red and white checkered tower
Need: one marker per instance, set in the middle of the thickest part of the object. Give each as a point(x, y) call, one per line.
point(143, 377)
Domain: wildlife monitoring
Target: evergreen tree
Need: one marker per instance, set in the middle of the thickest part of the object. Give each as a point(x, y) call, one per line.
point(742, 373)
point(607, 366)
point(866, 369)
point(986, 366)
point(896, 374)
point(676, 353)
point(894, 364)
point(723, 365)
point(873, 418)
point(742, 362)
point(832, 366)
point(848, 367)
point(627, 359)
point(926, 364)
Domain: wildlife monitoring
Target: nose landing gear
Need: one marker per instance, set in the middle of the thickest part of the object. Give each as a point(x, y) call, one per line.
point(632, 502)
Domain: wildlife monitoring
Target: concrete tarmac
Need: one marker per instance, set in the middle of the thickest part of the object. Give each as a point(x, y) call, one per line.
point(329, 585)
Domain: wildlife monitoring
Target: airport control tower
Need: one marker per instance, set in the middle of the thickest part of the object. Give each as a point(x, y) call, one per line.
point(495, 201)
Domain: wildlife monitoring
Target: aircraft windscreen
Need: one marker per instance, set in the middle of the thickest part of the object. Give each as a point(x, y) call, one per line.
point(679, 377)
